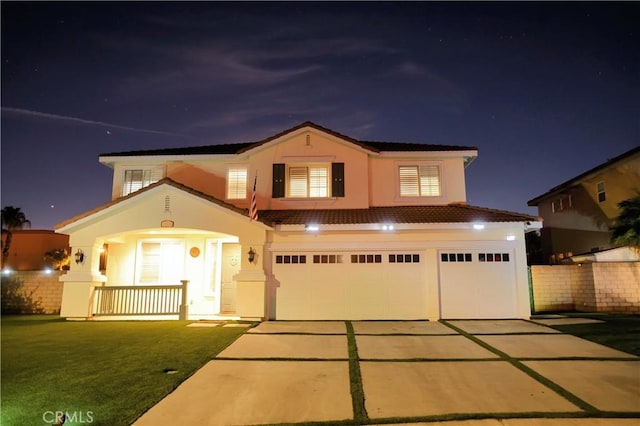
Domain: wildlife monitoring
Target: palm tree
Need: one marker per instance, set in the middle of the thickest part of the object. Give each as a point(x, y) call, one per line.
point(12, 219)
point(626, 228)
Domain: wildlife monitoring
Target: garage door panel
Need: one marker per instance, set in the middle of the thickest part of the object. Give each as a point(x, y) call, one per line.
point(366, 297)
point(327, 300)
point(408, 301)
point(367, 286)
point(477, 284)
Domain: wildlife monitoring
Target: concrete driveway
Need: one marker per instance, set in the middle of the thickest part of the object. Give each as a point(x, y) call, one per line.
point(509, 372)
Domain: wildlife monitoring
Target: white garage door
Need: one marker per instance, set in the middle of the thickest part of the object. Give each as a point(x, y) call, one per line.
point(477, 284)
point(350, 285)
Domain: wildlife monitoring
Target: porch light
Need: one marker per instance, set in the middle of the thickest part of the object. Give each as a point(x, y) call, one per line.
point(251, 254)
point(79, 256)
point(312, 228)
point(478, 226)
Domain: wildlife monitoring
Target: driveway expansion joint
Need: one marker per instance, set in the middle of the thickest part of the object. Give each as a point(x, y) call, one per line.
point(574, 399)
point(360, 369)
point(355, 377)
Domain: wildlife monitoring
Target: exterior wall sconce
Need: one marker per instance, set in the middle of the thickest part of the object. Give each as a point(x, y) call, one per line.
point(79, 256)
point(251, 254)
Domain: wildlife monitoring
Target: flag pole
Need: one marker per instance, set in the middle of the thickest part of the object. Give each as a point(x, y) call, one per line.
point(253, 209)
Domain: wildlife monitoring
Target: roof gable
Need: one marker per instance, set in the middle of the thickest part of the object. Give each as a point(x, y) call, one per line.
point(103, 209)
point(575, 180)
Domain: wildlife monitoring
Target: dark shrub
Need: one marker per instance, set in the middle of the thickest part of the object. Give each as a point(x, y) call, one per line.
point(15, 300)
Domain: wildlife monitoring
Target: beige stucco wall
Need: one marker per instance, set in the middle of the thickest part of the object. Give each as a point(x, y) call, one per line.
point(325, 148)
point(370, 179)
point(585, 224)
point(385, 185)
point(590, 287)
point(621, 183)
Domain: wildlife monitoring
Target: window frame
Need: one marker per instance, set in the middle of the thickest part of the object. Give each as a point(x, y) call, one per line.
point(601, 194)
point(164, 258)
point(228, 194)
point(308, 166)
point(144, 182)
point(422, 190)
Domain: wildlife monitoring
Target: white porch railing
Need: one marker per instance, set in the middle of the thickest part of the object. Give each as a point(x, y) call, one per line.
point(141, 300)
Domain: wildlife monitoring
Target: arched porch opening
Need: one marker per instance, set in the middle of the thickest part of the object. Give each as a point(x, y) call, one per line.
point(149, 259)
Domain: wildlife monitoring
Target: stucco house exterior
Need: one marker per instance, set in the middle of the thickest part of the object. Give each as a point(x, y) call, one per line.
point(28, 248)
point(578, 213)
point(345, 229)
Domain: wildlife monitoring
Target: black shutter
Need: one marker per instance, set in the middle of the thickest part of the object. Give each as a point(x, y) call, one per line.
point(278, 181)
point(337, 174)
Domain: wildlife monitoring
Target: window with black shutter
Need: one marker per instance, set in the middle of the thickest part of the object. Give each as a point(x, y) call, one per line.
point(337, 175)
point(278, 181)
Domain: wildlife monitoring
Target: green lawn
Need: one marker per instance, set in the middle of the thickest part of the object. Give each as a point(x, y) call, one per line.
point(103, 372)
point(618, 331)
point(110, 372)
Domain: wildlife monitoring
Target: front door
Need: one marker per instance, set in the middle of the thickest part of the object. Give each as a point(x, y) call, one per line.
point(230, 267)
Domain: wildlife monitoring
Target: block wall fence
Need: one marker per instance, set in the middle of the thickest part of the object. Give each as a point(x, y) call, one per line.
point(43, 289)
point(587, 287)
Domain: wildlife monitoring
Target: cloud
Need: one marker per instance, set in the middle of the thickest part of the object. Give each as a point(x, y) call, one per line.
point(231, 63)
point(431, 85)
point(49, 116)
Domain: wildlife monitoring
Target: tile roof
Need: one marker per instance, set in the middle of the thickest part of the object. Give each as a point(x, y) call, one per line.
point(239, 148)
point(453, 213)
point(164, 181)
point(415, 147)
point(187, 150)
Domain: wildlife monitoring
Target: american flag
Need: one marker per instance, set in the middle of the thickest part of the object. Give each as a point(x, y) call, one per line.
point(253, 211)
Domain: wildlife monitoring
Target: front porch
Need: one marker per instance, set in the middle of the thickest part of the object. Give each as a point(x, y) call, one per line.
point(141, 300)
point(156, 302)
point(188, 259)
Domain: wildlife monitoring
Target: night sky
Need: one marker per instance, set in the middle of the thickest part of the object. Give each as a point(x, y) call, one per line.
point(545, 90)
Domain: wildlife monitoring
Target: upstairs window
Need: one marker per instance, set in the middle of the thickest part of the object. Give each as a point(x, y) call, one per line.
point(308, 181)
point(237, 183)
point(136, 179)
point(602, 194)
point(419, 181)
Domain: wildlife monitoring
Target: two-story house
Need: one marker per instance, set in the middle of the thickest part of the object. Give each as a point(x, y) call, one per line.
point(578, 213)
point(345, 229)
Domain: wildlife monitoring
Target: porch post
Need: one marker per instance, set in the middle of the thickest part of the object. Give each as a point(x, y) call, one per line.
point(184, 306)
point(251, 279)
point(79, 281)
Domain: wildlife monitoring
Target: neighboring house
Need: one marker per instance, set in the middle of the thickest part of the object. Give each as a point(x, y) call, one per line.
point(28, 248)
point(578, 213)
point(345, 229)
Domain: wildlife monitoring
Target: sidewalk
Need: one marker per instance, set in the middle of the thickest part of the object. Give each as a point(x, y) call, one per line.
point(413, 371)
